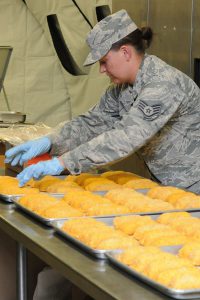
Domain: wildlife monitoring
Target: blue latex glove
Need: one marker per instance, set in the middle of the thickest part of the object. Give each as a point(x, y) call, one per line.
point(24, 152)
point(48, 167)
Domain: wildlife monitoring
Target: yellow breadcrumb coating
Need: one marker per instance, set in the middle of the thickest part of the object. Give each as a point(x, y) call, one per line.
point(136, 201)
point(43, 183)
point(112, 173)
point(172, 198)
point(10, 186)
point(120, 177)
point(129, 224)
point(180, 278)
point(142, 230)
point(117, 243)
point(94, 205)
point(75, 226)
point(159, 235)
point(138, 255)
point(97, 234)
point(8, 179)
point(164, 261)
point(83, 176)
point(63, 187)
point(60, 210)
point(76, 199)
point(165, 268)
point(162, 192)
point(160, 238)
point(120, 196)
point(189, 226)
point(95, 179)
point(16, 190)
point(166, 218)
point(191, 251)
point(106, 209)
point(186, 202)
point(140, 184)
point(37, 202)
point(70, 178)
point(101, 185)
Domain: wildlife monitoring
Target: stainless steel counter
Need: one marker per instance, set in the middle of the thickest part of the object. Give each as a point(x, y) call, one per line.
point(97, 278)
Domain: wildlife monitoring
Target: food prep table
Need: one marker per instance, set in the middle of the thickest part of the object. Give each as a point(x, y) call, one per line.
point(96, 278)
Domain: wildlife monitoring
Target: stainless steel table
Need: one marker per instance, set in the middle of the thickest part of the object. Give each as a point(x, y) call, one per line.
point(97, 278)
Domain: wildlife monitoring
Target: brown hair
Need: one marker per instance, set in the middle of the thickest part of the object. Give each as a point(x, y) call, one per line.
point(140, 39)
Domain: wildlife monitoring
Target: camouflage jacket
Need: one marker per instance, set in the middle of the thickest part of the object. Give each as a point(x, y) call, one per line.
point(158, 116)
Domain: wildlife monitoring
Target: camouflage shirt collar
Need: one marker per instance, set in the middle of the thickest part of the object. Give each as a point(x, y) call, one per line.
point(137, 85)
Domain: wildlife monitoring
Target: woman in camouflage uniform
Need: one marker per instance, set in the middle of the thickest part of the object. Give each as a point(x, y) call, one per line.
point(151, 108)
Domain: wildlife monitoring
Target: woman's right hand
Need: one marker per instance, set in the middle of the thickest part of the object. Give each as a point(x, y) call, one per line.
point(18, 155)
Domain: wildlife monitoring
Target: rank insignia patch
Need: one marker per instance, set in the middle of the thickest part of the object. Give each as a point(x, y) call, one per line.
point(150, 112)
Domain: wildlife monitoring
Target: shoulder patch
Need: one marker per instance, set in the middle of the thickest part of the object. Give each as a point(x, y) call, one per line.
point(150, 112)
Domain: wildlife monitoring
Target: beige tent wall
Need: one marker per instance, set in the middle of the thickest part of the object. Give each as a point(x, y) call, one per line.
point(34, 81)
point(84, 90)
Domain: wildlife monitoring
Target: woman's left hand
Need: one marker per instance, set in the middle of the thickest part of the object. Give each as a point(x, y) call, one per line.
point(49, 167)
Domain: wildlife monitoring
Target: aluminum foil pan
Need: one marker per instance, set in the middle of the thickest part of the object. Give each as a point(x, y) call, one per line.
point(12, 117)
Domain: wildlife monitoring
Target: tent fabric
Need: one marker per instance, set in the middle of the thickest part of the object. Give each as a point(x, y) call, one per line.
point(84, 90)
point(34, 81)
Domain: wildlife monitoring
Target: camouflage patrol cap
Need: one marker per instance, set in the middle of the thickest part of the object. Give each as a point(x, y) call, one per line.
point(107, 32)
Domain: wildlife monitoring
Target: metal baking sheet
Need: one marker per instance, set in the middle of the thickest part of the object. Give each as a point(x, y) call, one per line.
point(143, 191)
point(101, 193)
point(49, 221)
point(177, 294)
point(56, 195)
point(8, 198)
point(100, 254)
point(14, 198)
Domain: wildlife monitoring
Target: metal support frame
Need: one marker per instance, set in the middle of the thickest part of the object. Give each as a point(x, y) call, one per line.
point(21, 272)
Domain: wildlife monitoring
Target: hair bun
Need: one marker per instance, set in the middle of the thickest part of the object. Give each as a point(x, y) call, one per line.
point(147, 36)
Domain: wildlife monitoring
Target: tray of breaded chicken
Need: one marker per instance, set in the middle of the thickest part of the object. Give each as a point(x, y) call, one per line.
point(134, 193)
point(9, 186)
point(105, 234)
point(96, 236)
point(48, 207)
point(108, 194)
point(45, 208)
point(168, 255)
point(170, 274)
